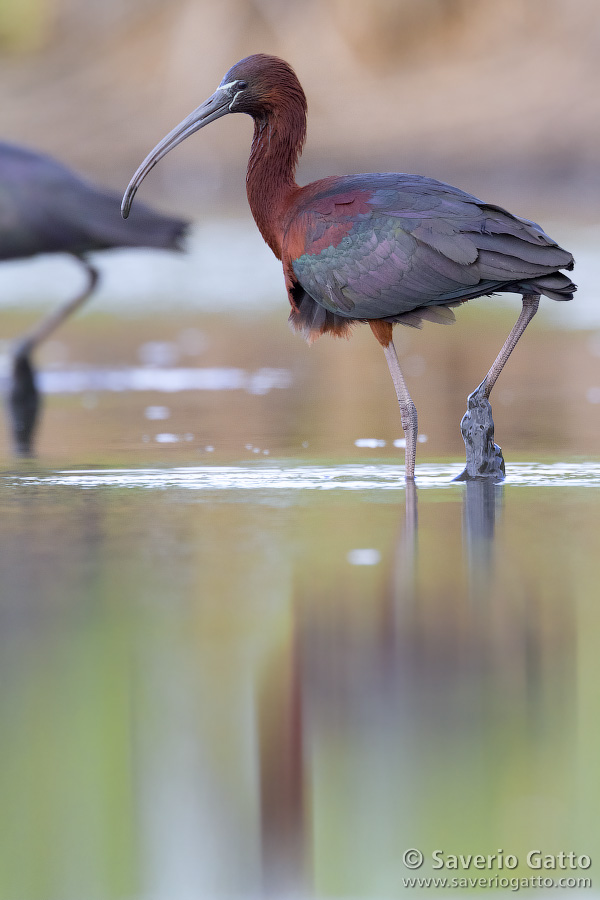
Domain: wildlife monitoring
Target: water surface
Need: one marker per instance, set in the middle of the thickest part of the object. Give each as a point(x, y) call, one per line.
point(273, 678)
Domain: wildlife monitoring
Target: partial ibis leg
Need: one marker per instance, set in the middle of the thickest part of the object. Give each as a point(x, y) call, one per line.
point(23, 396)
point(530, 307)
point(484, 457)
point(408, 410)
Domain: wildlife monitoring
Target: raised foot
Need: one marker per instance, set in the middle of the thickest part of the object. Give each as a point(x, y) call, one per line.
point(484, 457)
point(23, 403)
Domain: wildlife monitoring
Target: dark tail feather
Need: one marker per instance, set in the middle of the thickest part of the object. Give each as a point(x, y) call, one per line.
point(103, 227)
point(151, 229)
point(557, 286)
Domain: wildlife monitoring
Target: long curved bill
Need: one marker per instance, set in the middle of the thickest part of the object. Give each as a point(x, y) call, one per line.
point(213, 108)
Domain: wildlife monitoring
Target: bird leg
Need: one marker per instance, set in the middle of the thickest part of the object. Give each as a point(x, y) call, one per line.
point(530, 307)
point(408, 410)
point(23, 396)
point(484, 457)
point(51, 322)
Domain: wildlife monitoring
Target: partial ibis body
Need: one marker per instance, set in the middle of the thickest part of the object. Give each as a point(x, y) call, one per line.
point(46, 208)
point(378, 248)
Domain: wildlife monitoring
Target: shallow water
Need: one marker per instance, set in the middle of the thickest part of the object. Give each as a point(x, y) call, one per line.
point(274, 678)
point(278, 477)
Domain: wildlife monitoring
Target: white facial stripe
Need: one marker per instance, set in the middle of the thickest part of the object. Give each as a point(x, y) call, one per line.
point(235, 96)
point(223, 87)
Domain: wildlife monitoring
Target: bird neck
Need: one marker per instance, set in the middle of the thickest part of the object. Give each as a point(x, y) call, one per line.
point(270, 179)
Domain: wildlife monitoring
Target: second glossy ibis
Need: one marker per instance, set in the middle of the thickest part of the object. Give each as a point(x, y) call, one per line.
point(47, 208)
point(377, 248)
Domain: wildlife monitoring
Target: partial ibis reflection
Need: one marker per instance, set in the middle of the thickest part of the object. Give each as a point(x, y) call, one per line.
point(482, 504)
point(437, 708)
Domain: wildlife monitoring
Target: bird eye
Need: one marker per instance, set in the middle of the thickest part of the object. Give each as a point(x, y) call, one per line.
point(242, 85)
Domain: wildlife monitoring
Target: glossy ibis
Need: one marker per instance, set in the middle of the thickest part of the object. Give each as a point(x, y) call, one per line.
point(378, 248)
point(46, 208)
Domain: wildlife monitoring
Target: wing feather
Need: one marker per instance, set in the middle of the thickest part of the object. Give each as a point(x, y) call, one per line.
point(414, 244)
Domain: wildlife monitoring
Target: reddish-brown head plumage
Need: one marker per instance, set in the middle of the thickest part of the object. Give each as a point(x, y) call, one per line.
point(271, 87)
point(273, 96)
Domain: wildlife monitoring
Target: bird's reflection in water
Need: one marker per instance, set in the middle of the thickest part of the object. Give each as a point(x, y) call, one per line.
point(481, 505)
point(404, 573)
point(425, 688)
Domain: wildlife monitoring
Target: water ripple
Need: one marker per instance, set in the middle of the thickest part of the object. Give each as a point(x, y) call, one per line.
point(305, 477)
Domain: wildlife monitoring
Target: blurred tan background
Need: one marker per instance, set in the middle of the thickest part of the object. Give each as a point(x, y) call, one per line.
point(500, 98)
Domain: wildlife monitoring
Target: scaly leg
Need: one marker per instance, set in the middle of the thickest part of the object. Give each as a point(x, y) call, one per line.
point(530, 307)
point(408, 410)
point(484, 457)
point(23, 397)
